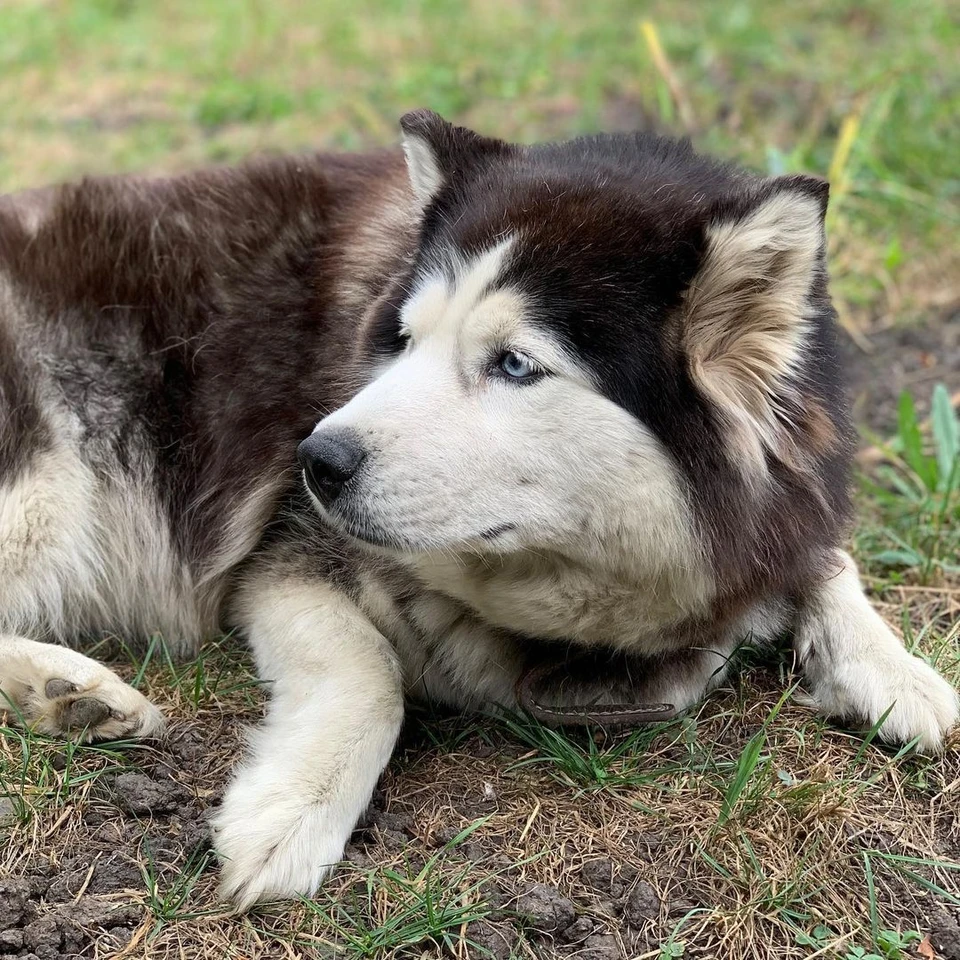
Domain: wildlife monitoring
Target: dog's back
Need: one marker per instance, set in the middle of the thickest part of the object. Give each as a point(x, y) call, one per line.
point(164, 345)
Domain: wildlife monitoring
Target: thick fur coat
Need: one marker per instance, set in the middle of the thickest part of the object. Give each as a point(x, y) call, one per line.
point(571, 397)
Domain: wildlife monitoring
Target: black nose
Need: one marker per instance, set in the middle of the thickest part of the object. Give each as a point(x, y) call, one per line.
point(329, 461)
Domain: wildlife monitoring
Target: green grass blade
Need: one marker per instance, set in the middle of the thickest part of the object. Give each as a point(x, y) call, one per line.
point(749, 760)
point(946, 434)
point(909, 431)
point(871, 734)
point(908, 427)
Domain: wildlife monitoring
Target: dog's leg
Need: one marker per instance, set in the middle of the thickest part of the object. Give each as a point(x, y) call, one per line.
point(336, 705)
point(857, 668)
point(60, 692)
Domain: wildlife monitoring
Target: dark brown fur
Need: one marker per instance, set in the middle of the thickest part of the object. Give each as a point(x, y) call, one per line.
point(199, 318)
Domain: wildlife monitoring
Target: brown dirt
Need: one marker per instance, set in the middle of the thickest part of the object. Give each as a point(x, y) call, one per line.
point(914, 358)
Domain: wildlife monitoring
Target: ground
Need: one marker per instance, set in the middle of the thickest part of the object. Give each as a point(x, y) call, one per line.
point(748, 829)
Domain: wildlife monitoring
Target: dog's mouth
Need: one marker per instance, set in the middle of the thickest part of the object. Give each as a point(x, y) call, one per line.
point(361, 529)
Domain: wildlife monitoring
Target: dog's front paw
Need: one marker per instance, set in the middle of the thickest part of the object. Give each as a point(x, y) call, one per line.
point(103, 708)
point(274, 843)
point(922, 705)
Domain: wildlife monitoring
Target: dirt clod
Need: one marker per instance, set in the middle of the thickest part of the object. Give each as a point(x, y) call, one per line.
point(494, 939)
point(602, 876)
point(546, 909)
point(601, 947)
point(579, 930)
point(139, 794)
point(119, 937)
point(642, 905)
point(13, 901)
point(42, 935)
point(945, 935)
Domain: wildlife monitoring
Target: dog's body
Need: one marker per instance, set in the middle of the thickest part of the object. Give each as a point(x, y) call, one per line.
point(574, 396)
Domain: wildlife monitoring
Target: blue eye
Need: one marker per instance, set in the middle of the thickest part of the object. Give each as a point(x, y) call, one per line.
point(518, 367)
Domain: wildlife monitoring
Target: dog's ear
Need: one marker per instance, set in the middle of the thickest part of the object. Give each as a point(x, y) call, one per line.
point(437, 151)
point(745, 315)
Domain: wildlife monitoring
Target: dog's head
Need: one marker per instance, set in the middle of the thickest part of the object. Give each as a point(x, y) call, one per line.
point(596, 343)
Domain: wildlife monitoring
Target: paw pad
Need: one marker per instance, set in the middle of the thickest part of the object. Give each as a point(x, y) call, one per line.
point(58, 688)
point(84, 712)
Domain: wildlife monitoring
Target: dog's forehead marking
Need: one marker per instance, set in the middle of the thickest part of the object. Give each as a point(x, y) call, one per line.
point(444, 299)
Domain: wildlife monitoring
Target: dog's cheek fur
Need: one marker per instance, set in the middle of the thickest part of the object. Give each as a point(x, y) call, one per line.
point(614, 525)
point(619, 503)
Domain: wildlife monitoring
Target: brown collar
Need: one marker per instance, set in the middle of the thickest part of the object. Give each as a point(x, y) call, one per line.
point(610, 714)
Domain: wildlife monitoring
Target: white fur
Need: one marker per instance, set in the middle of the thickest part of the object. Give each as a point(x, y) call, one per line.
point(422, 168)
point(706, 666)
point(601, 546)
point(857, 668)
point(336, 705)
point(48, 543)
point(78, 551)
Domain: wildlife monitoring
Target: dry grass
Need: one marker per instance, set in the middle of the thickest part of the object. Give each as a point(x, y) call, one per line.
point(687, 841)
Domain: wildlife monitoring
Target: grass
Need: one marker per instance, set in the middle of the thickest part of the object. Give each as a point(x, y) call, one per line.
point(748, 829)
point(98, 85)
point(760, 828)
point(916, 494)
point(425, 905)
point(168, 902)
point(38, 773)
point(586, 762)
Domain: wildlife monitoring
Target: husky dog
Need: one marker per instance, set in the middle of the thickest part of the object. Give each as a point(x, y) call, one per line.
point(579, 396)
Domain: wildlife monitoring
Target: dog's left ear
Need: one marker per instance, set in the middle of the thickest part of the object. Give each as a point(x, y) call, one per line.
point(745, 315)
point(437, 151)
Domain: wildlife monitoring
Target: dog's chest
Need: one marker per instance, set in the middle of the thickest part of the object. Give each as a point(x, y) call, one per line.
point(466, 640)
point(563, 602)
point(447, 653)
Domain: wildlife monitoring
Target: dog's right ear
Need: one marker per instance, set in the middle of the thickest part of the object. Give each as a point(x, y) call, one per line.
point(437, 151)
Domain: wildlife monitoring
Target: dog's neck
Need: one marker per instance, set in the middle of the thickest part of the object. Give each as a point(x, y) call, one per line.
point(554, 597)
